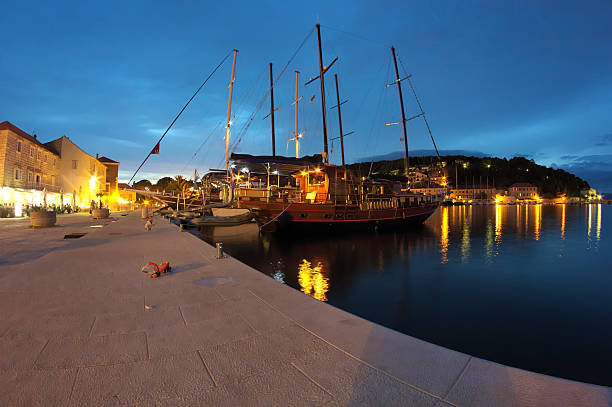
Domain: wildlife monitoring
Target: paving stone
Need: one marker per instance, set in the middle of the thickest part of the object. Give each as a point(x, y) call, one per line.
point(486, 383)
point(283, 386)
point(61, 353)
point(144, 320)
point(354, 383)
point(36, 388)
point(19, 351)
point(255, 355)
point(183, 338)
point(160, 380)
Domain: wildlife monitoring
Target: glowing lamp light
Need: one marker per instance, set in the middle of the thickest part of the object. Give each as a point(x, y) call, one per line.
point(18, 212)
point(317, 170)
point(233, 166)
point(92, 182)
point(275, 172)
point(245, 169)
point(304, 173)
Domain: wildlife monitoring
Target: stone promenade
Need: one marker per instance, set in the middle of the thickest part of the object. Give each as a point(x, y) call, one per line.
point(82, 326)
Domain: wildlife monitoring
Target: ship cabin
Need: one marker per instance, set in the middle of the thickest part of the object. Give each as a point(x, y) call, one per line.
point(309, 180)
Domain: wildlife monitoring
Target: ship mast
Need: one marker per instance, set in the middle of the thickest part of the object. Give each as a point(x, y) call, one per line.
point(296, 134)
point(339, 118)
point(401, 100)
point(229, 112)
point(272, 110)
point(322, 70)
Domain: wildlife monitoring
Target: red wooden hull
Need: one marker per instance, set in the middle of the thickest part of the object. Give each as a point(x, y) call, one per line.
point(282, 216)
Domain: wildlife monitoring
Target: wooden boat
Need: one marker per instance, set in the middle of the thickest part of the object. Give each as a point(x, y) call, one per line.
point(321, 197)
point(226, 217)
point(318, 196)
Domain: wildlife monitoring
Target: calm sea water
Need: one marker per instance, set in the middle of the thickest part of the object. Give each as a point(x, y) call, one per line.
point(526, 286)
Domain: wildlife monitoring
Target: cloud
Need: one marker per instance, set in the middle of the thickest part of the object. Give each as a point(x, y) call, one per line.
point(596, 169)
point(606, 140)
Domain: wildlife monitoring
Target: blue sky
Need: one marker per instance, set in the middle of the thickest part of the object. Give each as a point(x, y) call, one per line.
point(504, 78)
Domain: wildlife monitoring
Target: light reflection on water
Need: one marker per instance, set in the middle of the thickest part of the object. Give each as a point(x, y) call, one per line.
point(517, 284)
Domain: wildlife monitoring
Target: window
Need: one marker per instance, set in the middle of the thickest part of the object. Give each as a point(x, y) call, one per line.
point(74, 164)
point(19, 146)
point(54, 162)
point(52, 179)
point(38, 155)
point(17, 174)
point(29, 177)
point(108, 188)
point(45, 158)
point(31, 151)
point(37, 179)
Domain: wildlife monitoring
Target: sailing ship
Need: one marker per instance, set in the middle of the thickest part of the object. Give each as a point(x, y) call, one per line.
point(318, 196)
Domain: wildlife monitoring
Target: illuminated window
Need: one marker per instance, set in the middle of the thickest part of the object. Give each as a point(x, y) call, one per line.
point(19, 146)
point(74, 164)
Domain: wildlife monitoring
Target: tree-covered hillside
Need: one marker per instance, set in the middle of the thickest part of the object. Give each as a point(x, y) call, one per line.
point(473, 170)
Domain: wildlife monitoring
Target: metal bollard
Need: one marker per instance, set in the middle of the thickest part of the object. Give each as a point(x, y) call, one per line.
point(220, 254)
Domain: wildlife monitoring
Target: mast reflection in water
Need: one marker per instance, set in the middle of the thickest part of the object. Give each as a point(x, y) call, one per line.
point(526, 286)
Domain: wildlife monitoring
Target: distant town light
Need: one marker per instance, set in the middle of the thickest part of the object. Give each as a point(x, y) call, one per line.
point(275, 172)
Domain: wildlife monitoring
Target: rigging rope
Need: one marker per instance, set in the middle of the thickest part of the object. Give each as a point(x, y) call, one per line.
point(243, 131)
point(181, 112)
point(422, 111)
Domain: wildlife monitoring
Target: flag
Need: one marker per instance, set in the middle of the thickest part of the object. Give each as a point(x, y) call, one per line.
point(155, 149)
point(332, 148)
point(313, 97)
point(195, 175)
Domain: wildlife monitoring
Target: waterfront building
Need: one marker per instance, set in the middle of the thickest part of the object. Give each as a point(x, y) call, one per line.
point(29, 170)
point(523, 191)
point(112, 176)
point(429, 189)
point(472, 193)
point(81, 175)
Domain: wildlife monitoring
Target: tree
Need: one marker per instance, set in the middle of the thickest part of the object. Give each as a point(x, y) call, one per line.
point(180, 185)
point(164, 183)
point(142, 183)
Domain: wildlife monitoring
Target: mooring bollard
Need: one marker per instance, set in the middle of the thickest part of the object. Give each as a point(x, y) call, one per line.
point(220, 251)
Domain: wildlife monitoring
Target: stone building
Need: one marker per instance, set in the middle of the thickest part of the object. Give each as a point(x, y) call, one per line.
point(81, 175)
point(523, 190)
point(112, 175)
point(471, 193)
point(29, 170)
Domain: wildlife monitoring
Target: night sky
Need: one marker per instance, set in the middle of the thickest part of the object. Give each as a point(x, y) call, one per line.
point(500, 78)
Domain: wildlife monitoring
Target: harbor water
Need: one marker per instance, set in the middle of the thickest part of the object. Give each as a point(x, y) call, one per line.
point(526, 286)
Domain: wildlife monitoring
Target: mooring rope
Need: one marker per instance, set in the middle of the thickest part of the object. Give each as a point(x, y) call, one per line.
point(276, 217)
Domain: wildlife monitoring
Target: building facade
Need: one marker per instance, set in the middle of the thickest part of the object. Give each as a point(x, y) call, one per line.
point(112, 176)
point(81, 175)
point(523, 190)
point(29, 170)
point(473, 193)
